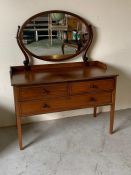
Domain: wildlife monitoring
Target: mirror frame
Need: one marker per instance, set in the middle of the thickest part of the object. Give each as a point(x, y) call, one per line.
point(28, 54)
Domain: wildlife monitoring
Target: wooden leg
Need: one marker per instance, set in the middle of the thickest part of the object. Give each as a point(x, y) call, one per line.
point(16, 122)
point(95, 111)
point(112, 118)
point(19, 129)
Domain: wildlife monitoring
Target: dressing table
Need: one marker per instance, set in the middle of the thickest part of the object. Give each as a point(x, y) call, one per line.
point(47, 88)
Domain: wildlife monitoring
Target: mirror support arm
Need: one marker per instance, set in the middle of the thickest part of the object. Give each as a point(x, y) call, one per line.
point(27, 60)
point(85, 57)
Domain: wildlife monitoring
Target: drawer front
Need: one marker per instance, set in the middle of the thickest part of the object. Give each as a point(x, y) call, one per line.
point(92, 86)
point(60, 104)
point(44, 91)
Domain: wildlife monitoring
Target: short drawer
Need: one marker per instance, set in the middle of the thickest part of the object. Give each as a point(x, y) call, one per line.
point(43, 91)
point(92, 86)
point(67, 103)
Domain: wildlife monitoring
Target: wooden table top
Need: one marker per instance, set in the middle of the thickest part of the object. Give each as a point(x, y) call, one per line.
point(57, 73)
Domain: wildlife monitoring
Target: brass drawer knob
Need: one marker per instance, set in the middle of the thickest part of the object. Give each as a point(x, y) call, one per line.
point(93, 86)
point(45, 91)
point(45, 106)
point(92, 99)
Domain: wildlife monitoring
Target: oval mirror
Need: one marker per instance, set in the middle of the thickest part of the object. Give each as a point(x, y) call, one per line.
point(54, 35)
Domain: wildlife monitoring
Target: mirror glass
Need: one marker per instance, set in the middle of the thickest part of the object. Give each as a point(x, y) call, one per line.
point(55, 34)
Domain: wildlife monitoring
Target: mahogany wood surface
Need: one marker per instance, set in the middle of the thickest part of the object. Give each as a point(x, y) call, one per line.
point(64, 103)
point(60, 87)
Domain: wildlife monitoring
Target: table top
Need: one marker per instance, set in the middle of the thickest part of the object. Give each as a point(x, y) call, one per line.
point(57, 73)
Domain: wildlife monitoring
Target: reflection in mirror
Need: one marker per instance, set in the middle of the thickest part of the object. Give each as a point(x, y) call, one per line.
point(55, 34)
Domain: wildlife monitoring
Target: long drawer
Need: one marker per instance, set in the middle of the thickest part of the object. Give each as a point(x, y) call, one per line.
point(92, 86)
point(43, 91)
point(65, 103)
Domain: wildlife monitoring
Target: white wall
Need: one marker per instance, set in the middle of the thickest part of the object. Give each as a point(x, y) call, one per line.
point(112, 24)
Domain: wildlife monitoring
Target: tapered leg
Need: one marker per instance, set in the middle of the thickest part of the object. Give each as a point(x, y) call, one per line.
point(16, 122)
point(112, 118)
point(19, 129)
point(95, 111)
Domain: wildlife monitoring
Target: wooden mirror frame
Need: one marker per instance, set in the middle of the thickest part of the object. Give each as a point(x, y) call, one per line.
point(28, 54)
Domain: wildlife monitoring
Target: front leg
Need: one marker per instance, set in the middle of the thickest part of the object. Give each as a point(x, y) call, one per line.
point(95, 111)
point(112, 118)
point(19, 129)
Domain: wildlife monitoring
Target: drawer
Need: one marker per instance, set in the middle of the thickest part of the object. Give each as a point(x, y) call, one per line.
point(92, 86)
point(43, 91)
point(60, 104)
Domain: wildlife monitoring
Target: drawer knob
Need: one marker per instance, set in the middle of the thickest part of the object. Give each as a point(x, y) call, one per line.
point(92, 99)
point(93, 86)
point(45, 106)
point(45, 91)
